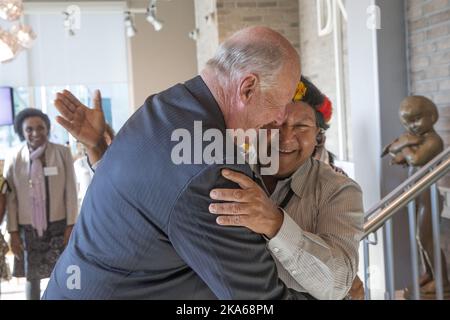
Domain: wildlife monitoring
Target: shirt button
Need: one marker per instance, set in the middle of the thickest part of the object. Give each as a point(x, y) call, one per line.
point(294, 272)
point(276, 250)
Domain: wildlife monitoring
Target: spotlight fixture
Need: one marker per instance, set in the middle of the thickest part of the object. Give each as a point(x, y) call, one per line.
point(24, 35)
point(11, 9)
point(194, 34)
point(210, 18)
point(9, 46)
point(151, 16)
point(130, 28)
point(71, 20)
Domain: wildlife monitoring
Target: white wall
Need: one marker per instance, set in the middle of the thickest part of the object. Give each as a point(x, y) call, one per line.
point(95, 58)
point(365, 109)
point(159, 60)
point(208, 40)
point(96, 54)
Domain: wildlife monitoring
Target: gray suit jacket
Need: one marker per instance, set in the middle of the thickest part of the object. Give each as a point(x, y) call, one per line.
point(62, 186)
point(145, 231)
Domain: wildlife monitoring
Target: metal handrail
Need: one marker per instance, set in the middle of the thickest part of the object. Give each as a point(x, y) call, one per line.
point(425, 181)
point(410, 181)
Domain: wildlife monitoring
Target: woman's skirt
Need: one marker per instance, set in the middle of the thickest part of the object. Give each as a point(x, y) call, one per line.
point(41, 253)
point(5, 273)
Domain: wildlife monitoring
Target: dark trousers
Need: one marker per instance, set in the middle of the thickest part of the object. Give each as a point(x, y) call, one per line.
point(33, 290)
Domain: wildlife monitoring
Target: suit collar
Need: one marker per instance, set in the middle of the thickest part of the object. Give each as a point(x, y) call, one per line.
point(200, 91)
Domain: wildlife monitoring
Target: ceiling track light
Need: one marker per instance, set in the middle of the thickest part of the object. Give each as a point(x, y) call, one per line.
point(210, 18)
point(130, 28)
point(69, 23)
point(194, 34)
point(151, 16)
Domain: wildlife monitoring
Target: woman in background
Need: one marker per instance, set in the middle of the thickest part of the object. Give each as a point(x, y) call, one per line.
point(83, 170)
point(42, 205)
point(4, 268)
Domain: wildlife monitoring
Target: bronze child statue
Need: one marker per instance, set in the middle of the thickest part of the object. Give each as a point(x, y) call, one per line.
point(415, 148)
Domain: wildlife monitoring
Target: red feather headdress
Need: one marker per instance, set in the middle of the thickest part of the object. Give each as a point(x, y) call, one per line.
point(326, 109)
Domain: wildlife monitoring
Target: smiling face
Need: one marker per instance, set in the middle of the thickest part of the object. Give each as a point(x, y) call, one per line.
point(297, 138)
point(35, 132)
point(417, 118)
point(257, 107)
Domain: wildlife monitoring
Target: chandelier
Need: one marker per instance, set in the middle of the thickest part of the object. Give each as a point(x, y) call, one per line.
point(19, 37)
point(11, 9)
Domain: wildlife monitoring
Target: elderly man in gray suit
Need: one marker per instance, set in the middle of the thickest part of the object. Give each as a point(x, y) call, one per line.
point(145, 230)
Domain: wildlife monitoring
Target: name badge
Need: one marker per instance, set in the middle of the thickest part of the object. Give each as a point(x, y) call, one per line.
point(50, 171)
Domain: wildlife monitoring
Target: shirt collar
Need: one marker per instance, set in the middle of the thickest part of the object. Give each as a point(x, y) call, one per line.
point(297, 180)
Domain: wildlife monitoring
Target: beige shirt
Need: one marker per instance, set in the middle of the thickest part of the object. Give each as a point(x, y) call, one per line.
point(62, 186)
point(316, 249)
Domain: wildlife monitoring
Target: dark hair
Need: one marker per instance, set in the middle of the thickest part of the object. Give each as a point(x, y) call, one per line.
point(315, 98)
point(28, 113)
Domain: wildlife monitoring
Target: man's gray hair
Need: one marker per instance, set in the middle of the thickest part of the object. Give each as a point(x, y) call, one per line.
point(234, 59)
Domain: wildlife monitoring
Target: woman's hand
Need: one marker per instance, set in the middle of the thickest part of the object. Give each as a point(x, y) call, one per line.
point(248, 207)
point(357, 290)
point(16, 245)
point(67, 234)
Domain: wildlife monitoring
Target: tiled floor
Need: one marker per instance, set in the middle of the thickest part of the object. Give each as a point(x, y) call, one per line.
point(15, 288)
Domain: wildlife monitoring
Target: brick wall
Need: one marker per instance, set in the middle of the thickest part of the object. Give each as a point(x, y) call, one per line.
point(281, 15)
point(298, 26)
point(428, 25)
point(233, 15)
point(429, 55)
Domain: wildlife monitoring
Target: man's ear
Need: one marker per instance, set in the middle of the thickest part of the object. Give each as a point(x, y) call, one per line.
point(248, 87)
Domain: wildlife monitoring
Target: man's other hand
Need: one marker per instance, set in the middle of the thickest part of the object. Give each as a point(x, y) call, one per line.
point(85, 124)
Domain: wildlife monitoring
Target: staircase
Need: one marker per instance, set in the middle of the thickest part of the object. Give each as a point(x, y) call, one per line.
point(380, 217)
